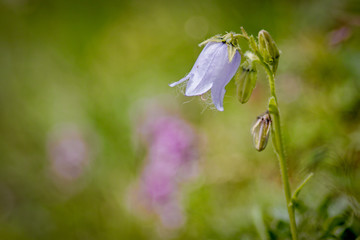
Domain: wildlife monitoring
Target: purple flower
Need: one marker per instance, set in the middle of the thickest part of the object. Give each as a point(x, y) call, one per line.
point(171, 146)
point(212, 70)
point(172, 154)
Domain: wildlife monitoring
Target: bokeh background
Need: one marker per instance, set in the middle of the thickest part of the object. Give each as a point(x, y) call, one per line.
point(76, 77)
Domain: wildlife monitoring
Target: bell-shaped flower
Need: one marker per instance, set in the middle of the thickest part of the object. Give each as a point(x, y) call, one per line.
point(214, 68)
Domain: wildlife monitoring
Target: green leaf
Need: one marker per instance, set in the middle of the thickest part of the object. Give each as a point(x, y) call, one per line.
point(298, 189)
point(273, 109)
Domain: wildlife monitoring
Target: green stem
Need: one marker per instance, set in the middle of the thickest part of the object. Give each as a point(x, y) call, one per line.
point(280, 151)
point(276, 131)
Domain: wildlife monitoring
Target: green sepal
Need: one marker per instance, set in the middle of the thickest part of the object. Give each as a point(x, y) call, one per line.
point(252, 44)
point(231, 51)
point(244, 32)
point(216, 38)
point(229, 39)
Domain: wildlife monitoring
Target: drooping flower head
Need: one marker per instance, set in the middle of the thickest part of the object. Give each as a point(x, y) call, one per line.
point(214, 68)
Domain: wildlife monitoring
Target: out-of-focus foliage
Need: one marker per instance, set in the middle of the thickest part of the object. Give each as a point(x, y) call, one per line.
point(72, 72)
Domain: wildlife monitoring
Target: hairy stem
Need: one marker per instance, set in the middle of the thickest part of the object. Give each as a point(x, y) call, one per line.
point(276, 131)
point(280, 151)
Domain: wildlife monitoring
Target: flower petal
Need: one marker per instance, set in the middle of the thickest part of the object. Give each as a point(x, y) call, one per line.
point(200, 82)
point(226, 70)
point(181, 80)
point(201, 61)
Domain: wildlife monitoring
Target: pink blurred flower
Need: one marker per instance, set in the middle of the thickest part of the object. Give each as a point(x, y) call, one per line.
point(68, 152)
point(172, 154)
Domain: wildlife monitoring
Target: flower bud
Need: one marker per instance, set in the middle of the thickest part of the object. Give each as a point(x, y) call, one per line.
point(268, 49)
point(245, 80)
point(261, 131)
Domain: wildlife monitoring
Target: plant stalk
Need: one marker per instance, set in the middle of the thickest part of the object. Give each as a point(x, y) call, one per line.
point(280, 152)
point(276, 132)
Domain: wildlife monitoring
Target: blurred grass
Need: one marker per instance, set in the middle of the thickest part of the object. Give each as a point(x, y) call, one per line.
point(88, 63)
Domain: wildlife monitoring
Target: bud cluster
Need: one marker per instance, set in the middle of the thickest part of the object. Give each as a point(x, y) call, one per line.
point(265, 52)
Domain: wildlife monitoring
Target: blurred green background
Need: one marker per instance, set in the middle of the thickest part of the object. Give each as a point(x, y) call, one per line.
point(87, 64)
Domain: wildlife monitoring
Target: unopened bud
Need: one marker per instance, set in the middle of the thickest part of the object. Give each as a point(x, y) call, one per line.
point(261, 131)
point(268, 49)
point(245, 80)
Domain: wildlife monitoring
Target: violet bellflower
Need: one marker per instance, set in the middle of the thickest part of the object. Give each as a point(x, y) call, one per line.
point(214, 68)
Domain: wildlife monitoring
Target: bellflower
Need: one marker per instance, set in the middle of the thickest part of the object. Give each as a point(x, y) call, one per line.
point(214, 68)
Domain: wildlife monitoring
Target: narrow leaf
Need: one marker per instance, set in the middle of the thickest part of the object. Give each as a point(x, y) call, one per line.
point(298, 189)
